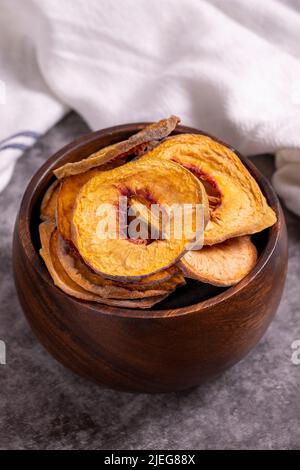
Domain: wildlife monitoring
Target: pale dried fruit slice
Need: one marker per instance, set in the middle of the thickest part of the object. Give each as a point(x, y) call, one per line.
point(224, 264)
point(238, 206)
point(97, 284)
point(163, 183)
point(48, 206)
point(48, 236)
point(150, 133)
point(133, 153)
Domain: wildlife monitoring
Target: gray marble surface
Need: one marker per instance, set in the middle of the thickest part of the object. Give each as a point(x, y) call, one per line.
point(254, 405)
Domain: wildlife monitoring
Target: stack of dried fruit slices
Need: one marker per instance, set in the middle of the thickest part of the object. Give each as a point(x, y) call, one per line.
point(151, 167)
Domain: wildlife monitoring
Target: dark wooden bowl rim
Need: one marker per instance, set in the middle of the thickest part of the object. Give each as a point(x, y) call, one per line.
point(35, 260)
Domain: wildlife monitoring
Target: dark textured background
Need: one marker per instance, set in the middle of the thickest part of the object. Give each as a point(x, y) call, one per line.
point(44, 406)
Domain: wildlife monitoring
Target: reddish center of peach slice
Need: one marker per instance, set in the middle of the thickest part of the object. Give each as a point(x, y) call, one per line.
point(142, 194)
point(211, 187)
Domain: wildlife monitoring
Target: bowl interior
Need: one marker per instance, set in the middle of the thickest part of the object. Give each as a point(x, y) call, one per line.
point(194, 291)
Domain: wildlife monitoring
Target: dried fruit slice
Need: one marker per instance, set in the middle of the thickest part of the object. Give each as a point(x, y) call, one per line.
point(238, 206)
point(168, 285)
point(48, 236)
point(150, 133)
point(68, 191)
point(224, 264)
point(48, 206)
point(64, 197)
point(155, 278)
point(163, 183)
point(97, 284)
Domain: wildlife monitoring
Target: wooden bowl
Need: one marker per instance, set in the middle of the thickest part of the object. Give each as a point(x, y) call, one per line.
point(196, 333)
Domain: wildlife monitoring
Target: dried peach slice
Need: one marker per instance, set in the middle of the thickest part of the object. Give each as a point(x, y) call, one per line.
point(237, 204)
point(48, 206)
point(155, 278)
point(163, 183)
point(61, 279)
point(97, 284)
point(224, 264)
point(68, 191)
point(150, 133)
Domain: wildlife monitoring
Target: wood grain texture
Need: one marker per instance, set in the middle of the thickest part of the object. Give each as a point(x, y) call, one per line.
point(163, 349)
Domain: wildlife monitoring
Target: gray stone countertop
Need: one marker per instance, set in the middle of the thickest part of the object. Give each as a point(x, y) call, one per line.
point(254, 405)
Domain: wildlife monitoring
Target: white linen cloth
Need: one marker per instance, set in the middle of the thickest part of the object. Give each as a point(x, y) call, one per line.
point(231, 68)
